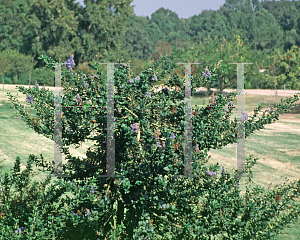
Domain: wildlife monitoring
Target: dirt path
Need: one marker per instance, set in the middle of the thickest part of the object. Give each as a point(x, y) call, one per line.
point(288, 93)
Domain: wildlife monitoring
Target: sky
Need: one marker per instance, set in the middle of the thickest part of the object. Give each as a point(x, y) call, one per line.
point(184, 8)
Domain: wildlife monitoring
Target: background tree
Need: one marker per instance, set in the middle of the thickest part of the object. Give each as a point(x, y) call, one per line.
point(288, 70)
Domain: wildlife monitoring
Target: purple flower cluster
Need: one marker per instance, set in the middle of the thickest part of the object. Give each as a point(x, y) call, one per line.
point(69, 129)
point(172, 136)
point(78, 98)
point(20, 229)
point(88, 212)
point(134, 127)
point(85, 84)
point(161, 147)
point(131, 81)
point(207, 74)
point(223, 171)
point(164, 206)
point(70, 64)
point(92, 189)
point(149, 94)
point(29, 98)
point(244, 117)
point(211, 173)
point(154, 78)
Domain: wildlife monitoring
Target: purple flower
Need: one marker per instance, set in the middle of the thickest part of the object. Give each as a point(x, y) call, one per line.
point(197, 147)
point(149, 69)
point(92, 189)
point(137, 78)
point(211, 173)
point(154, 78)
point(69, 129)
point(149, 94)
point(29, 98)
point(85, 84)
point(244, 117)
point(78, 98)
point(161, 147)
point(87, 212)
point(73, 213)
point(20, 230)
point(207, 74)
point(230, 103)
point(269, 204)
point(223, 171)
point(163, 206)
point(70, 64)
point(37, 86)
point(172, 136)
point(84, 76)
point(124, 64)
point(134, 127)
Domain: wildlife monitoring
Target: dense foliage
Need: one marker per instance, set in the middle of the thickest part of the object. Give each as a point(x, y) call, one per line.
point(147, 202)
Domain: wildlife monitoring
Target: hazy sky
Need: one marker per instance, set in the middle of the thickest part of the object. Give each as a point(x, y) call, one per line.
point(184, 8)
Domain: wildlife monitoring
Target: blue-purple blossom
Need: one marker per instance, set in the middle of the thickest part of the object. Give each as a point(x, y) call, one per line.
point(210, 173)
point(69, 129)
point(88, 212)
point(230, 103)
point(134, 127)
point(163, 206)
point(37, 86)
point(124, 64)
point(92, 188)
point(77, 98)
point(137, 78)
point(70, 64)
point(172, 136)
point(197, 147)
point(244, 117)
point(29, 98)
point(85, 84)
point(154, 78)
point(207, 74)
point(149, 69)
point(223, 171)
point(75, 214)
point(131, 81)
point(149, 94)
point(84, 75)
point(20, 229)
point(161, 147)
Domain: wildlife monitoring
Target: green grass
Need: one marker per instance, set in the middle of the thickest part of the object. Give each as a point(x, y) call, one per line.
point(272, 145)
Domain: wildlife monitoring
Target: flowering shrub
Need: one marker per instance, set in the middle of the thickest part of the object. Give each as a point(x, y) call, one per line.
point(148, 201)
